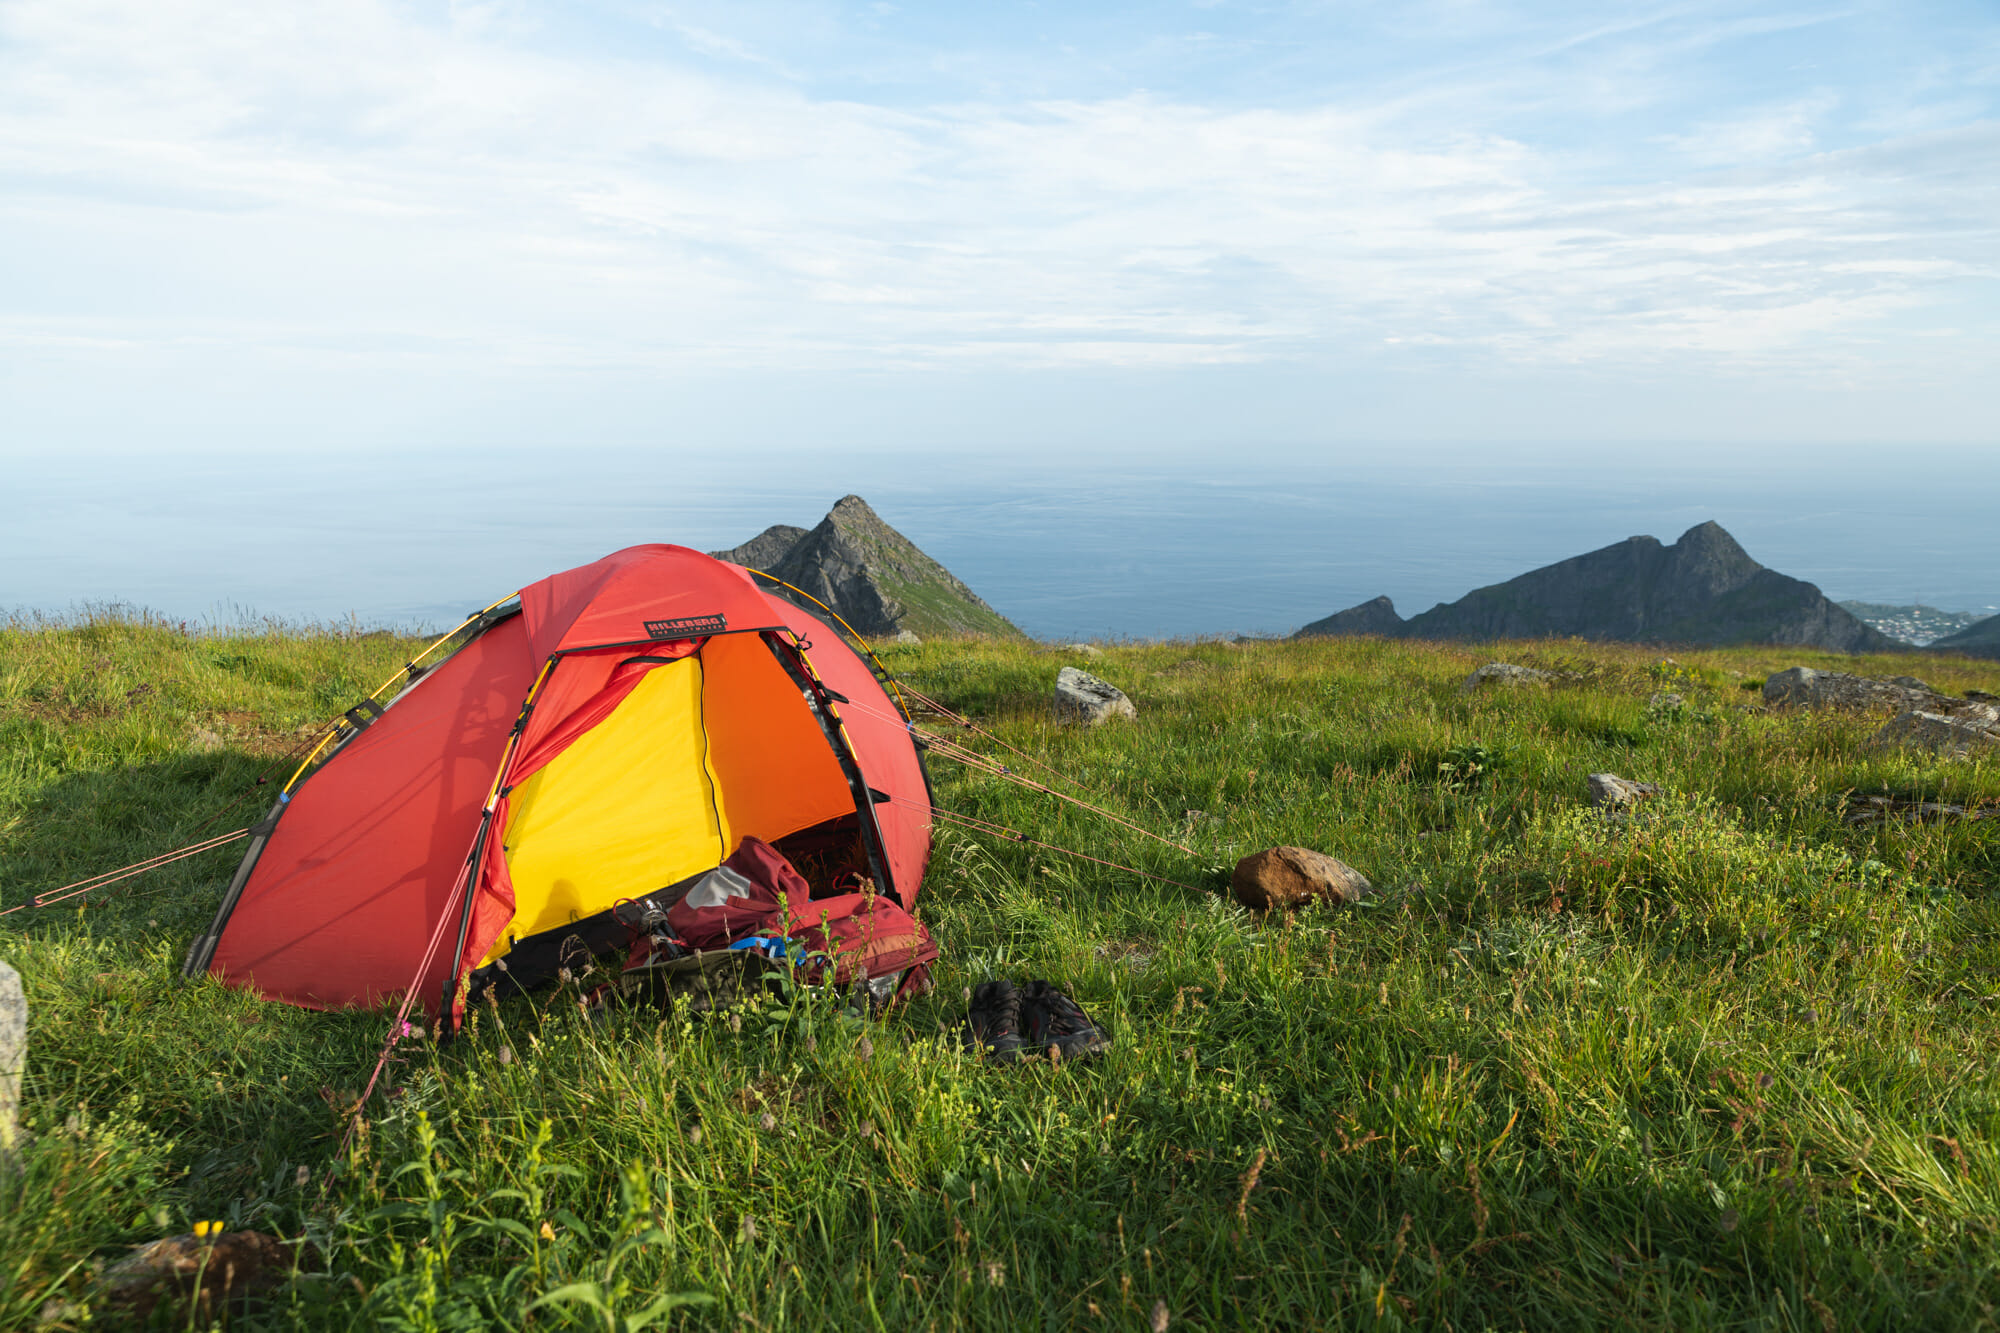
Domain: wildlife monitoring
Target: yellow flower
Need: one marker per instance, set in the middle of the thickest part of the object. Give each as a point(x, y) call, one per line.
point(548, 1232)
point(207, 1230)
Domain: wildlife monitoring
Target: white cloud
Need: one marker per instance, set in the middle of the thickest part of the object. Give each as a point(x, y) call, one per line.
point(343, 174)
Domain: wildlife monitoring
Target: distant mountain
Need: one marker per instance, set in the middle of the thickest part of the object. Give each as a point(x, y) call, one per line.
point(1376, 617)
point(1977, 640)
point(1916, 624)
point(1704, 588)
point(873, 576)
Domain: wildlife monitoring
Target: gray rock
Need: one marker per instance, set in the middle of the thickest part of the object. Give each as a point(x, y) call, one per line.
point(1608, 791)
point(13, 1058)
point(1504, 673)
point(1089, 652)
point(1288, 877)
point(1082, 697)
point(1947, 736)
point(1803, 687)
point(908, 640)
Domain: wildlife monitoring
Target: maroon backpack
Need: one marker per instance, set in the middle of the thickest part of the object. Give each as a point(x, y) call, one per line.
point(849, 937)
point(752, 893)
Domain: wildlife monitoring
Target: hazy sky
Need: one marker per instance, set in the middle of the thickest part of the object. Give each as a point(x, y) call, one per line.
point(1266, 227)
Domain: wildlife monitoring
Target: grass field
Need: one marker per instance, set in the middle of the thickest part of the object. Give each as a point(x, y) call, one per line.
point(1727, 1064)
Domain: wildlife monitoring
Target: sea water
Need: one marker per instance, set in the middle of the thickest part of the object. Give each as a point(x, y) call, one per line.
point(1224, 542)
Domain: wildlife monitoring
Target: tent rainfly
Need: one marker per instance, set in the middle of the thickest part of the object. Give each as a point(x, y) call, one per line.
point(615, 729)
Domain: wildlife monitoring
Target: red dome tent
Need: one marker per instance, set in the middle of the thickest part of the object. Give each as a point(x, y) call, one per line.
point(620, 727)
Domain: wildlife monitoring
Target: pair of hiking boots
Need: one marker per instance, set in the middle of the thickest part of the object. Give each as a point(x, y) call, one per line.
point(1006, 1021)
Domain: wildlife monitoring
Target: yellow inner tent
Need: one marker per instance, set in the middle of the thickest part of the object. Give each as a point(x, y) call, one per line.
point(704, 752)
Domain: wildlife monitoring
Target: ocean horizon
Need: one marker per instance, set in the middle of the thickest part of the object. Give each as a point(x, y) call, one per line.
point(1175, 547)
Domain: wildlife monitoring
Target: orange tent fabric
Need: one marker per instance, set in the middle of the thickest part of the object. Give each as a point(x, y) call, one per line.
point(403, 843)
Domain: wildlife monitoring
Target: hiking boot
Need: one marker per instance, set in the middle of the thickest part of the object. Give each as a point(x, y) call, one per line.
point(1052, 1022)
point(993, 1020)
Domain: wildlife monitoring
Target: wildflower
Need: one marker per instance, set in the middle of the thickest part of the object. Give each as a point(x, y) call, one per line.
point(748, 1231)
point(767, 1122)
point(863, 1049)
point(736, 1022)
point(694, 1135)
point(1160, 1317)
point(506, 1055)
point(304, 1176)
point(548, 1232)
point(207, 1230)
point(996, 1273)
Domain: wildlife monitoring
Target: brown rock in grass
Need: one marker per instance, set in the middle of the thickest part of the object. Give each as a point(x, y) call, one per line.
point(185, 1267)
point(1289, 877)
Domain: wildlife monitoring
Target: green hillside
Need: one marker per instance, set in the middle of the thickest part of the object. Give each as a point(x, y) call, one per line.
point(1730, 1063)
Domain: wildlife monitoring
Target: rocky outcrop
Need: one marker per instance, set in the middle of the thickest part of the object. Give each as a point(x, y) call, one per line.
point(1980, 640)
point(764, 550)
point(1503, 673)
point(1082, 697)
point(1288, 877)
point(1703, 589)
point(1803, 687)
point(1955, 737)
point(1372, 617)
point(872, 576)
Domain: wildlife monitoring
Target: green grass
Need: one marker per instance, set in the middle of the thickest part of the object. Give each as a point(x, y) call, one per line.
point(1728, 1064)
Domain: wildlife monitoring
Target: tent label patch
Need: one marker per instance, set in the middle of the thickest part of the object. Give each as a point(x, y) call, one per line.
point(687, 627)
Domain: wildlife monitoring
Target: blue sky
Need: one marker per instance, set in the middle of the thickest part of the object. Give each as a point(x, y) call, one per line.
point(999, 226)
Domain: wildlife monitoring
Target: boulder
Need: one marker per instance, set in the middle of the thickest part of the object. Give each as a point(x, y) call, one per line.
point(1608, 791)
point(1803, 687)
point(908, 639)
point(188, 1267)
point(1089, 652)
point(13, 1057)
point(1504, 673)
point(1288, 877)
point(1957, 737)
point(1082, 697)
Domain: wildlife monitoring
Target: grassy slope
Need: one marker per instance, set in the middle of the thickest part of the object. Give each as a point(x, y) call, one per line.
point(1729, 1065)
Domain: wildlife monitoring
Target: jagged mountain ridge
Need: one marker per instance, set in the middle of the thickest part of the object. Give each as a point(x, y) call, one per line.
point(1704, 589)
point(873, 576)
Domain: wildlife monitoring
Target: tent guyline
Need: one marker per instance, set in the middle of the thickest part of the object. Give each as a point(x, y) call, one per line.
point(937, 743)
point(110, 877)
point(317, 741)
point(1006, 834)
point(950, 749)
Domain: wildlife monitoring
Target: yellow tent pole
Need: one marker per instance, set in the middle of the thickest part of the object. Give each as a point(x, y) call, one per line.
point(889, 675)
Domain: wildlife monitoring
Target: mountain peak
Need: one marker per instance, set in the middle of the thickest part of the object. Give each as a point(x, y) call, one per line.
point(1705, 588)
point(872, 576)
